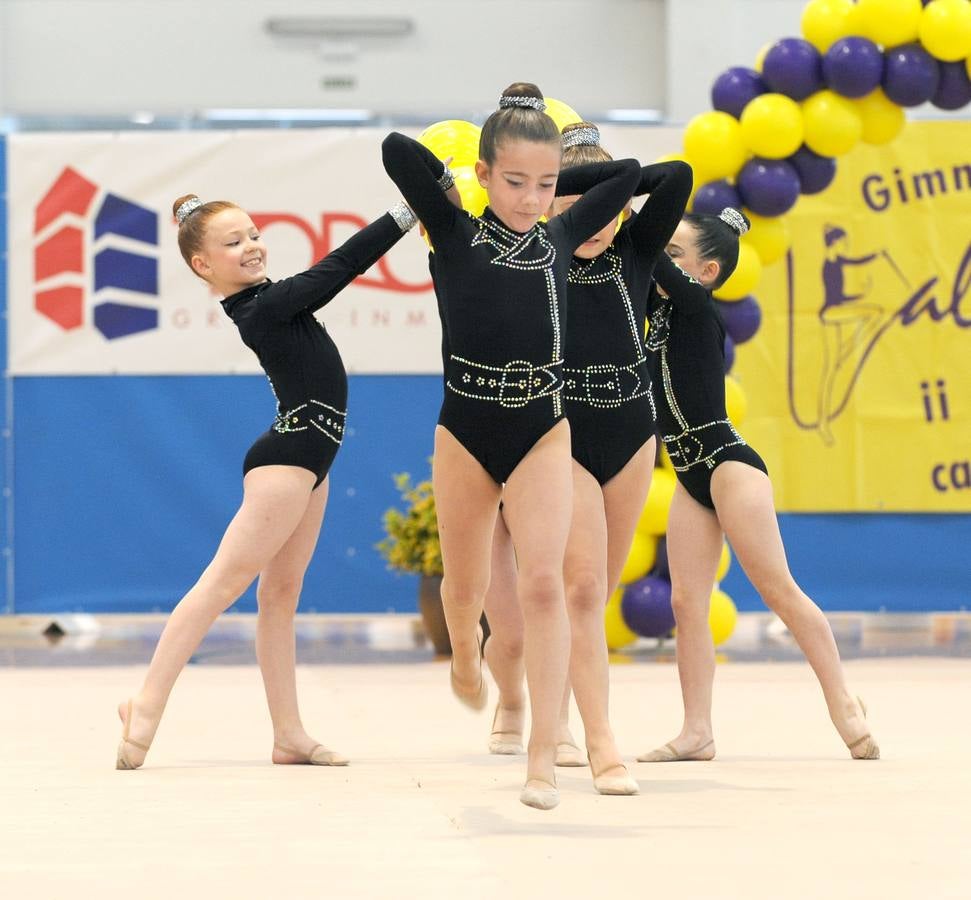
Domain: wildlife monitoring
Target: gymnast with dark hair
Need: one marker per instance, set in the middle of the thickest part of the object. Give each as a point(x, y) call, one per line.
point(500, 279)
point(723, 490)
point(611, 412)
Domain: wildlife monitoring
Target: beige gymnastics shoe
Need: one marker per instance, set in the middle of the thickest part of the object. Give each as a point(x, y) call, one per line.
point(669, 753)
point(124, 761)
point(539, 793)
point(865, 747)
point(319, 755)
point(505, 743)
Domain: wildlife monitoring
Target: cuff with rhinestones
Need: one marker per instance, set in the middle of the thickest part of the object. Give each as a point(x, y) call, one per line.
point(447, 179)
point(403, 216)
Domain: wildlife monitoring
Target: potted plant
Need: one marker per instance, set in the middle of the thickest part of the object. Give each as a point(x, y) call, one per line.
point(411, 545)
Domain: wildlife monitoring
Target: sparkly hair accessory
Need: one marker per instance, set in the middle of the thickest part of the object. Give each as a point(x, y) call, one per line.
point(734, 219)
point(524, 102)
point(187, 209)
point(587, 136)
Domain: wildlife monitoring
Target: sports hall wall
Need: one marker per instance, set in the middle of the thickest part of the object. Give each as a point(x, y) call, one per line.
point(129, 402)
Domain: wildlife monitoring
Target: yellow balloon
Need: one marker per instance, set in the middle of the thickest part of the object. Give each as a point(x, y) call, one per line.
point(653, 519)
point(713, 140)
point(772, 126)
point(882, 119)
point(824, 22)
point(474, 196)
point(745, 277)
point(724, 562)
point(760, 56)
point(832, 124)
point(888, 22)
point(454, 138)
point(945, 29)
point(560, 113)
point(617, 632)
point(640, 558)
point(736, 405)
point(722, 617)
point(768, 236)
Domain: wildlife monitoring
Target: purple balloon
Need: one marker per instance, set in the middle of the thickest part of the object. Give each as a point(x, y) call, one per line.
point(793, 66)
point(741, 317)
point(954, 89)
point(734, 88)
point(729, 353)
point(910, 75)
point(853, 66)
point(646, 607)
point(713, 197)
point(661, 568)
point(768, 187)
point(815, 172)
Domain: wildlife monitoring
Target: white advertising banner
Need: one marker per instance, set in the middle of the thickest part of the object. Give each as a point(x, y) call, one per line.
point(97, 284)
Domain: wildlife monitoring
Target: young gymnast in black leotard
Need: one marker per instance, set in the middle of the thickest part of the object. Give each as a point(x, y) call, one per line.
point(274, 533)
point(501, 285)
point(609, 405)
point(722, 489)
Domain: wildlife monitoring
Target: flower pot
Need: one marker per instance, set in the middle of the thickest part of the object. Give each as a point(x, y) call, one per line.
point(432, 614)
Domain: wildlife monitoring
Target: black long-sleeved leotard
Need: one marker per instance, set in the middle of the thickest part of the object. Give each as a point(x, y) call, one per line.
point(687, 346)
point(608, 385)
point(502, 298)
point(276, 321)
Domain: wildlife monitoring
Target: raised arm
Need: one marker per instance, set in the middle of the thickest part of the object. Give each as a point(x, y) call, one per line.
point(669, 186)
point(416, 171)
point(323, 281)
point(606, 187)
point(686, 294)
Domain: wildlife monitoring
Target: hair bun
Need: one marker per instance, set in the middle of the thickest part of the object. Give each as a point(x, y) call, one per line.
point(735, 220)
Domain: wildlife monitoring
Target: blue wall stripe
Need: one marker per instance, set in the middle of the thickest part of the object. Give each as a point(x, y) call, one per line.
point(125, 484)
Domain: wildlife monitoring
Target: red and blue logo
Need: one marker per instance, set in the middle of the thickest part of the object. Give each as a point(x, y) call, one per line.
point(95, 259)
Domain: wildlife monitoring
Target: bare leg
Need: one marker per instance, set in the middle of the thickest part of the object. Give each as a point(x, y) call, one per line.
point(466, 501)
point(585, 576)
point(620, 502)
point(743, 498)
point(694, 547)
point(568, 752)
point(624, 498)
point(585, 572)
point(537, 506)
point(504, 649)
point(277, 596)
point(274, 501)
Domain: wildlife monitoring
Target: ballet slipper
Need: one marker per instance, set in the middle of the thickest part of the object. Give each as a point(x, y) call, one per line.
point(123, 761)
point(669, 753)
point(319, 755)
point(569, 755)
point(505, 743)
point(540, 797)
point(615, 785)
point(864, 747)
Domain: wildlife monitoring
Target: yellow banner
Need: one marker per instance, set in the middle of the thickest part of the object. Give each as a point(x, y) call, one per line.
point(859, 379)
